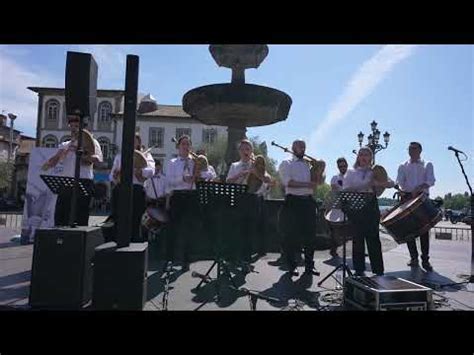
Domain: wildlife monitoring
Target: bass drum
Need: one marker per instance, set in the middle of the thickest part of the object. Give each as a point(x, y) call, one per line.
point(408, 220)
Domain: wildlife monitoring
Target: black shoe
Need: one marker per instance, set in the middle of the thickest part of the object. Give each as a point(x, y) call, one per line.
point(168, 266)
point(359, 273)
point(379, 274)
point(185, 267)
point(427, 266)
point(311, 271)
point(333, 253)
point(109, 219)
point(246, 267)
point(293, 273)
point(413, 262)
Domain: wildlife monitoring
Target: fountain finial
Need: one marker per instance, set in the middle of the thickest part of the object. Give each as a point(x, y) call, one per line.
point(239, 57)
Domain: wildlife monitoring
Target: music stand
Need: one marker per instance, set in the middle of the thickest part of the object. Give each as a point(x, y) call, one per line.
point(217, 200)
point(347, 201)
point(57, 183)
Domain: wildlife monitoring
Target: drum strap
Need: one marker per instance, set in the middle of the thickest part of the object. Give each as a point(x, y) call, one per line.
point(154, 188)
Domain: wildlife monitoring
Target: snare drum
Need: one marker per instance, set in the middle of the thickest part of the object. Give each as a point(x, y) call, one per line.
point(340, 229)
point(412, 218)
point(154, 218)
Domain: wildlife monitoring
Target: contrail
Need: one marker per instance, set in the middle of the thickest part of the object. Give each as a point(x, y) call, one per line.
point(362, 83)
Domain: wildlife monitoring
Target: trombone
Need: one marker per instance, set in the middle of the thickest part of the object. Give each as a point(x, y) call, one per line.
point(317, 166)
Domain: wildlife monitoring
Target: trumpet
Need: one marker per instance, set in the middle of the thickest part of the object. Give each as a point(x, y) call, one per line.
point(150, 148)
point(317, 166)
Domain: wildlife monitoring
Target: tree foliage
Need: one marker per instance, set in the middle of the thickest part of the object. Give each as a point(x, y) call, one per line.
point(6, 174)
point(456, 202)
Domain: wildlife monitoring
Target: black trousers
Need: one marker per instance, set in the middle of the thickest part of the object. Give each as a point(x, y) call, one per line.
point(366, 223)
point(249, 225)
point(139, 208)
point(63, 208)
point(424, 241)
point(298, 227)
point(184, 224)
point(261, 226)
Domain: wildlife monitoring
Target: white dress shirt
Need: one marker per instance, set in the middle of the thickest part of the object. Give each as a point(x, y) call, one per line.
point(69, 162)
point(297, 170)
point(413, 174)
point(358, 180)
point(177, 168)
point(236, 168)
point(211, 168)
point(209, 174)
point(159, 182)
point(264, 190)
point(146, 172)
point(337, 182)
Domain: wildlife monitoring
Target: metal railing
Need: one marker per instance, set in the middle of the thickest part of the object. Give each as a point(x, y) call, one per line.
point(445, 233)
point(11, 220)
point(451, 233)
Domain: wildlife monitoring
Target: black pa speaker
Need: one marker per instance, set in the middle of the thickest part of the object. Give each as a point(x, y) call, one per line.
point(81, 84)
point(120, 277)
point(61, 273)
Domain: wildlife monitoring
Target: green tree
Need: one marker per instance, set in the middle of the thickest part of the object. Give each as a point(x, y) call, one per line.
point(215, 153)
point(456, 202)
point(385, 201)
point(322, 191)
point(6, 174)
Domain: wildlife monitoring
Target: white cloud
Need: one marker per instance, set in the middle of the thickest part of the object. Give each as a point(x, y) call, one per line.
point(14, 50)
point(360, 86)
point(14, 95)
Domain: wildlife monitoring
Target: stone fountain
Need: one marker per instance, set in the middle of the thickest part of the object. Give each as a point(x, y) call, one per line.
point(237, 105)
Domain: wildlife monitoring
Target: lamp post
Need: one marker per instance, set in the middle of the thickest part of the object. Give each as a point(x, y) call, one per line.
point(12, 118)
point(373, 139)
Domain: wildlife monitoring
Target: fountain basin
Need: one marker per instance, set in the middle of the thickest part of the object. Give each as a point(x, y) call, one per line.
point(237, 105)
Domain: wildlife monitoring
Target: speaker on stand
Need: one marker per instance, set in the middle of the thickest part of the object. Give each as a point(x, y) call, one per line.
point(81, 84)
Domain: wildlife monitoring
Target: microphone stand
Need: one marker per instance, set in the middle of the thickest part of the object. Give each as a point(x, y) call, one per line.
point(471, 278)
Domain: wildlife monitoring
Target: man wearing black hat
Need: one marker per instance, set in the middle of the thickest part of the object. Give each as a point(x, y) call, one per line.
point(66, 156)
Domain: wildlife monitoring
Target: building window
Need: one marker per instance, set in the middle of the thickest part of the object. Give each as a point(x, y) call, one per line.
point(105, 110)
point(50, 142)
point(64, 116)
point(52, 110)
point(104, 143)
point(65, 139)
point(183, 131)
point(209, 135)
point(155, 137)
point(158, 159)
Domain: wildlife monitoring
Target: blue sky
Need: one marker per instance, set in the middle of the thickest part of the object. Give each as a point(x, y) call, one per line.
point(422, 93)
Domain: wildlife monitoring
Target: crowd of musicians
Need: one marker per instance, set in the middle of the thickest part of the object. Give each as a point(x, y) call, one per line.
point(173, 198)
